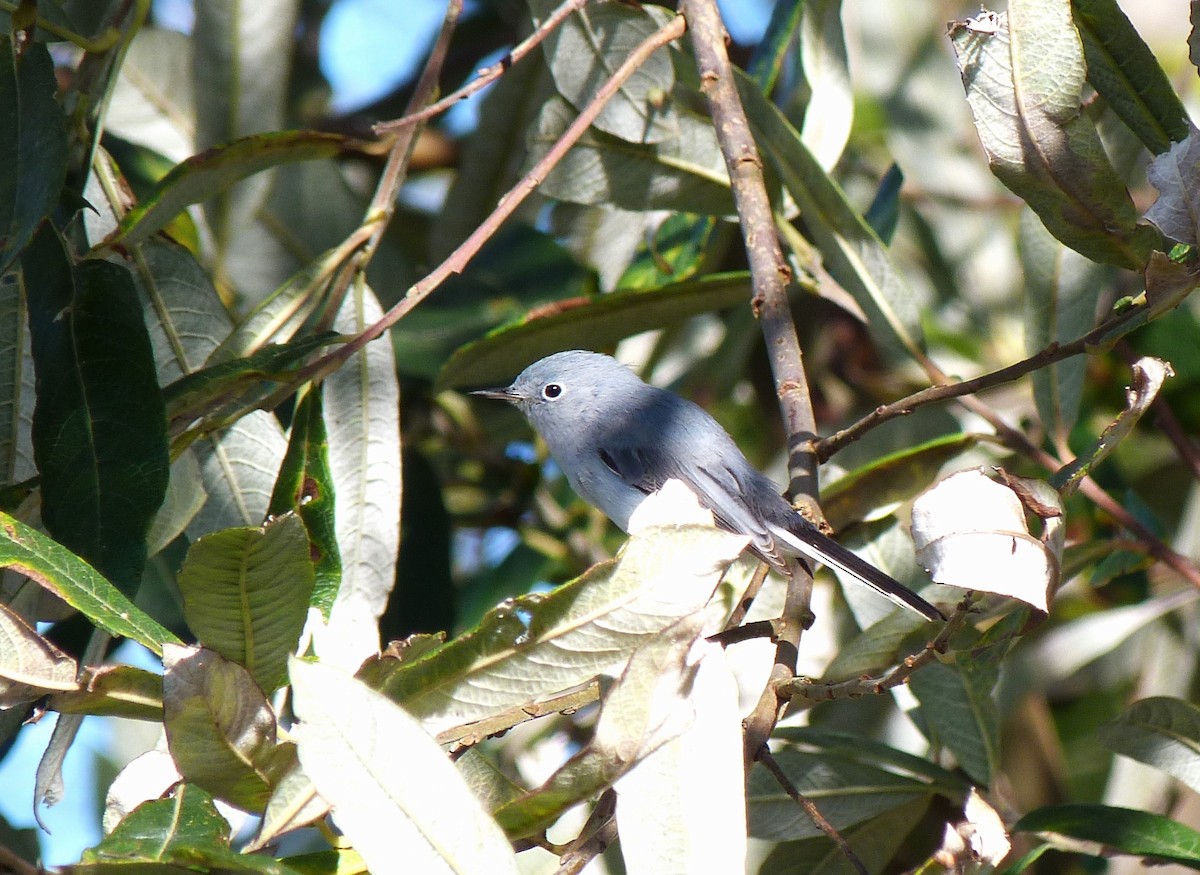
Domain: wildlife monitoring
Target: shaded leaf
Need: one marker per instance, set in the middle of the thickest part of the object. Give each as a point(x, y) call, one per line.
point(99, 427)
point(1175, 174)
point(685, 173)
point(210, 173)
point(30, 666)
point(852, 251)
point(1161, 732)
point(588, 48)
point(1149, 374)
point(1121, 67)
point(845, 790)
point(33, 145)
point(1061, 287)
point(220, 728)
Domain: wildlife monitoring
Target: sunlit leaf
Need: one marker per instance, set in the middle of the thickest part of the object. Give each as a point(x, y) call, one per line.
point(377, 767)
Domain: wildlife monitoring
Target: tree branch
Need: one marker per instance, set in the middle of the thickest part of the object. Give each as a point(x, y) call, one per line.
point(487, 75)
point(457, 260)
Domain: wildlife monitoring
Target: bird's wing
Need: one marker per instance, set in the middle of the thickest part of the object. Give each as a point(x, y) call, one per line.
point(719, 489)
point(647, 468)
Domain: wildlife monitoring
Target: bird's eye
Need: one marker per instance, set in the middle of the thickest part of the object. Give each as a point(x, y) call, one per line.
point(551, 391)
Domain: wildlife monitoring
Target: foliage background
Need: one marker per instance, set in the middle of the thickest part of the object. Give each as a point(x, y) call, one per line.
point(469, 541)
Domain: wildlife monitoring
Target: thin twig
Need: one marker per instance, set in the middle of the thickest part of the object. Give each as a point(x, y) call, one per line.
point(944, 389)
point(770, 275)
point(598, 833)
point(487, 75)
point(395, 169)
point(768, 760)
point(810, 693)
point(458, 259)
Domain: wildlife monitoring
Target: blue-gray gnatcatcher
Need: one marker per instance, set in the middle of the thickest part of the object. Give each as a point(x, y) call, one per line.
point(618, 440)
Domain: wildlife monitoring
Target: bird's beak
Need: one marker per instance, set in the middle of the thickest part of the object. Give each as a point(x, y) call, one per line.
point(505, 394)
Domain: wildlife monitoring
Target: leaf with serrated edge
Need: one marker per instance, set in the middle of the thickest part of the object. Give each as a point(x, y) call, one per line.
point(56, 568)
point(377, 767)
point(541, 644)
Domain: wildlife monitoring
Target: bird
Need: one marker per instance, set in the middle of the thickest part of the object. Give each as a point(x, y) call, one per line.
point(618, 439)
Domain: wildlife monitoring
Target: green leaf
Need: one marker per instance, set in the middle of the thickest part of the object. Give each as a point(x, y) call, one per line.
point(1161, 732)
point(596, 323)
point(845, 790)
point(541, 644)
point(957, 704)
point(1118, 830)
point(99, 425)
point(1023, 80)
point(114, 691)
point(774, 49)
point(33, 145)
point(210, 173)
point(16, 462)
point(520, 270)
point(246, 593)
point(394, 792)
point(1121, 67)
point(220, 728)
point(1149, 374)
point(589, 47)
point(1060, 305)
point(875, 842)
point(174, 835)
point(228, 382)
point(676, 251)
point(56, 568)
point(852, 251)
point(305, 486)
point(889, 480)
point(685, 173)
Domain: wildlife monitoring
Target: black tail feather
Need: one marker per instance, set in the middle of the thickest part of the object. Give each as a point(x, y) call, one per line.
point(815, 545)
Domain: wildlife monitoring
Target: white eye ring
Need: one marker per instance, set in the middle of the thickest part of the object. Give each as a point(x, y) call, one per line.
point(551, 391)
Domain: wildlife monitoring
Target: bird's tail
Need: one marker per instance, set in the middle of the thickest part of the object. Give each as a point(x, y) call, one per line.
point(807, 541)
